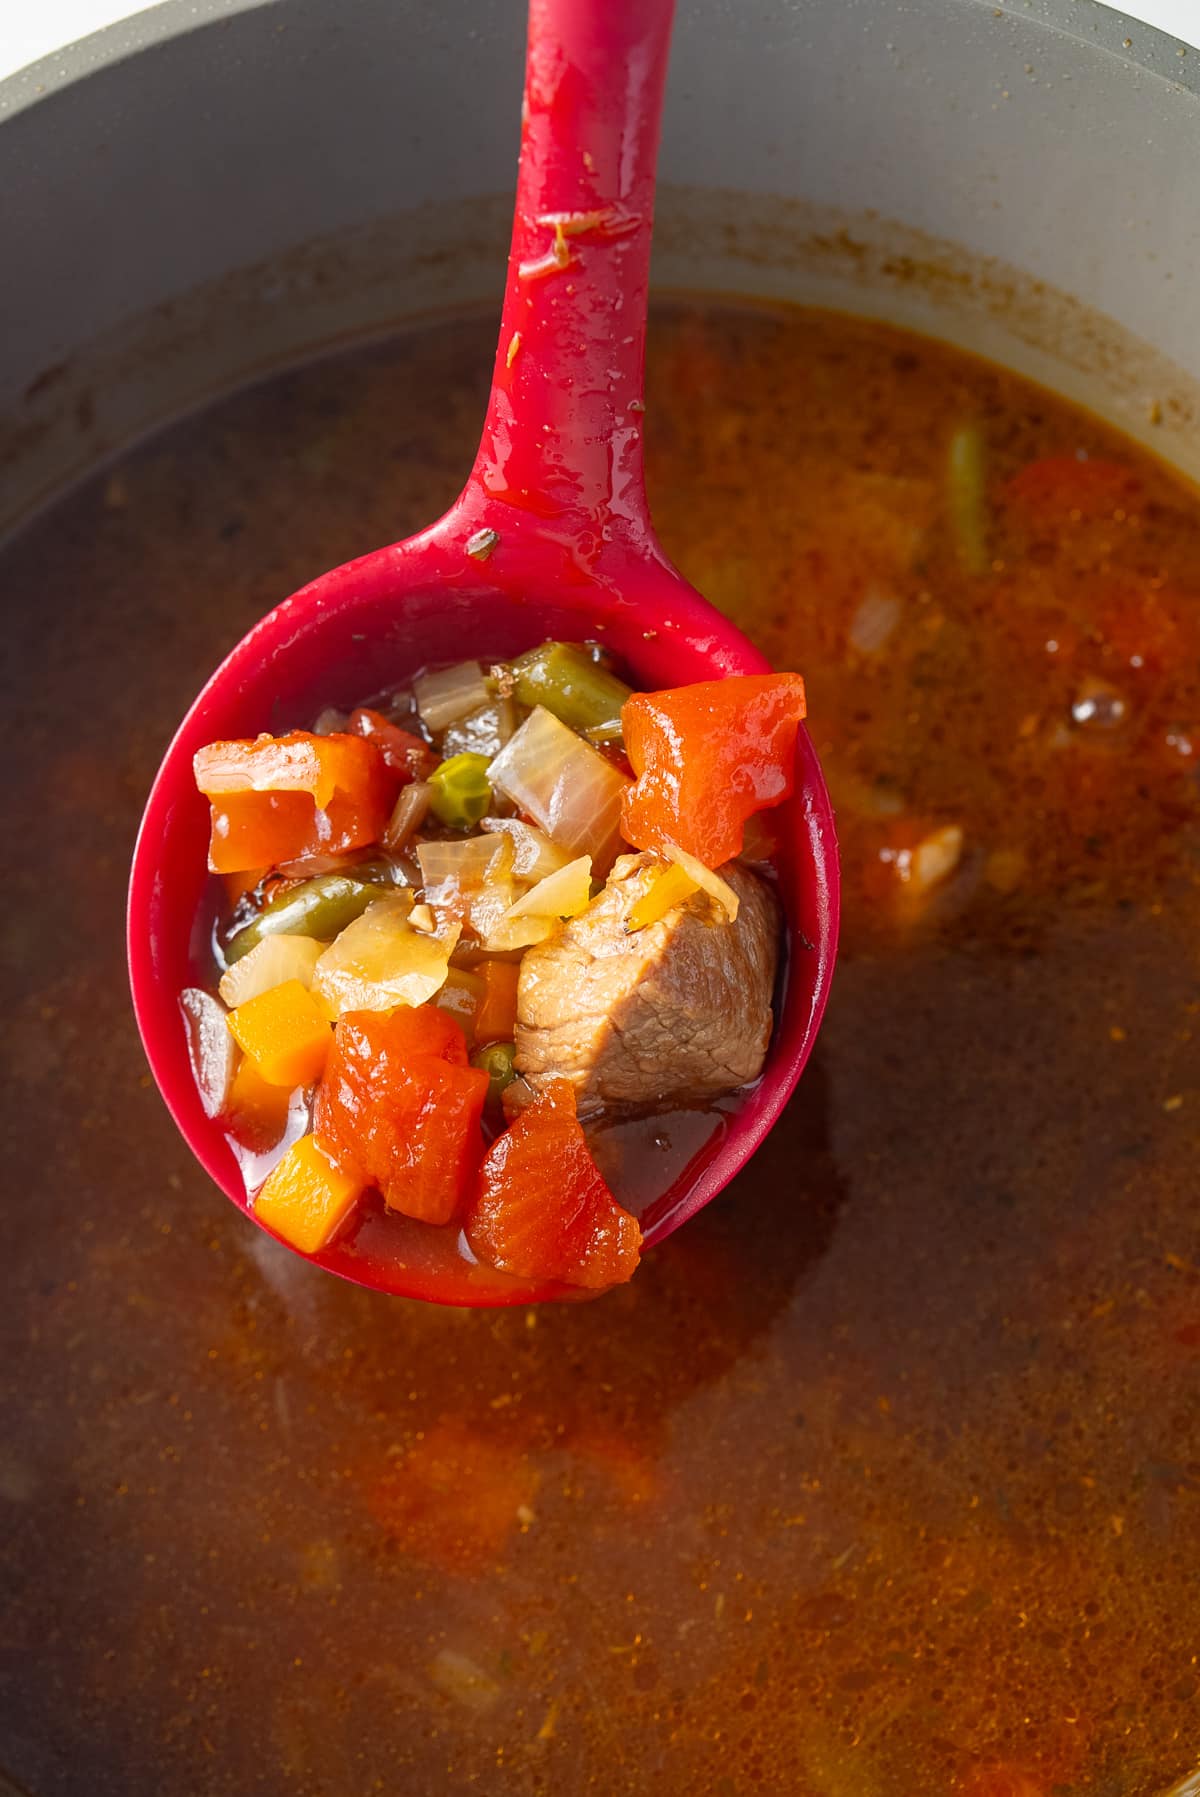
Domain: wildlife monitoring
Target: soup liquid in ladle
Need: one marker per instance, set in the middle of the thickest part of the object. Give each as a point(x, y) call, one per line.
point(883, 1476)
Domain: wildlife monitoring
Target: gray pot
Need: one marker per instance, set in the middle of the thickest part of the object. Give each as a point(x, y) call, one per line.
point(219, 186)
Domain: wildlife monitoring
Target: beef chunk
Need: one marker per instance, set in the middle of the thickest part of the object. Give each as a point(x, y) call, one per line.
point(675, 1012)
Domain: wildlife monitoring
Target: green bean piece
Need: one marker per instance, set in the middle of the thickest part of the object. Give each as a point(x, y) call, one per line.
point(497, 1062)
point(461, 793)
point(576, 689)
point(966, 475)
point(321, 907)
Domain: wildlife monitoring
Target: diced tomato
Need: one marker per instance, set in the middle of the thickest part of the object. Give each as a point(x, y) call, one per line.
point(404, 753)
point(496, 1016)
point(283, 798)
point(706, 758)
point(542, 1210)
point(400, 1102)
point(1048, 491)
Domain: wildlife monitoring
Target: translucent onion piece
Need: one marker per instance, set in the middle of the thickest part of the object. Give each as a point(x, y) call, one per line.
point(449, 694)
point(411, 810)
point(212, 1049)
point(534, 855)
point(565, 785)
point(463, 866)
point(468, 880)
point(274, 960)
point(671, 888)
point(519, 932)
point(562, 894)
point(712, 883)
point(380, 961)
point(485, 732)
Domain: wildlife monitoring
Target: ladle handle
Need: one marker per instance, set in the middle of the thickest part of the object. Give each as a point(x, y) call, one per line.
point(563, 435)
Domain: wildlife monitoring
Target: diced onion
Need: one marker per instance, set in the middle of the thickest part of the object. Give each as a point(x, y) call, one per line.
point(565, 785)
point(463, 865)
point(410, 811)
point(485, 732)
point(534, 855)
point(713, 884)
point(671, 888)
point(449, 694)
point(469, 879)
point(379, 961)
point(269, 963)
point(212, 1049)
point(562, 894)
point(511, 933)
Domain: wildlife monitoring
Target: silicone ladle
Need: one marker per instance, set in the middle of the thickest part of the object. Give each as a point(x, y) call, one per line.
point(550, 538)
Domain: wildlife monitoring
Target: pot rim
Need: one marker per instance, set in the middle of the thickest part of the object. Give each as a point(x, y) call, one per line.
point(1156, 53)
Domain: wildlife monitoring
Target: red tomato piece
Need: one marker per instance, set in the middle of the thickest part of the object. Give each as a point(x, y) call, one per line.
point(282, 798)
point(399, 1102)
point(706, 758)
point(1048, 491)
point(542, 1210)
point(404, 753)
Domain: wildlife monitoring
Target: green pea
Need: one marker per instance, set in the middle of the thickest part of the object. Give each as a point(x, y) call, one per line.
point(461, 793)
point(497, 1062)
point(576, 689)
point(321, 907)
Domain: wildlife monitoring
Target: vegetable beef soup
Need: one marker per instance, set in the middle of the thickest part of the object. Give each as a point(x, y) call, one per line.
point(883, 1475)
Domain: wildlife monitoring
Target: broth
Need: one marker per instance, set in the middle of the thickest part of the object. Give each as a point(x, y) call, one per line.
point(884, 1474)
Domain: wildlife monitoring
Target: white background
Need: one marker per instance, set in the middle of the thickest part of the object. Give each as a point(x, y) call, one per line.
point(32, 28)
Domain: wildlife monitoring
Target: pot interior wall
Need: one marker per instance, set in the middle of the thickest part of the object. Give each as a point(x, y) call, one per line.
point(257, 184)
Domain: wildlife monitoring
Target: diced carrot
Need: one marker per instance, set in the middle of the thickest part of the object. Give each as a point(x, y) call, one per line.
point(399, 1102)
point(239, 884)
point(706, 758)
point(406, 754)
point(258, 1112)
point(1051, 489)
point(496, 1017)
point(277, 799)
point(541, 1208)
point(285, 1033)
point(307, 1198)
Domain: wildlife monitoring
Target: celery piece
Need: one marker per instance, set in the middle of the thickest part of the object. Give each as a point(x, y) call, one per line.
point(575, 688)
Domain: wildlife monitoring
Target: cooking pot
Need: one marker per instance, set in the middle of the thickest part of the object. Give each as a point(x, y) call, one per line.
point(217, 188)
point(212, 189)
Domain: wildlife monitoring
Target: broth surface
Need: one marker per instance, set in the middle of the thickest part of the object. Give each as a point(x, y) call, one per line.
point(883, 1475)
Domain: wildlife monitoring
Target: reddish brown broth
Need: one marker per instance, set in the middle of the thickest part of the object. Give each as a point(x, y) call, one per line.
point(883, 1476)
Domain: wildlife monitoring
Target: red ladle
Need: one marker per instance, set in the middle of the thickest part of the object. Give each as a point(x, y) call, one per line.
point(551, 537)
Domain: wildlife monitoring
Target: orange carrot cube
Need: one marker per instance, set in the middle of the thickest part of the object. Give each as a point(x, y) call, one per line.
point(285, 1033)
point(307, 1197)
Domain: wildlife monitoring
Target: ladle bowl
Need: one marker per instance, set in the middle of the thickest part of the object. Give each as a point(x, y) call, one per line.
point(551, 537)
